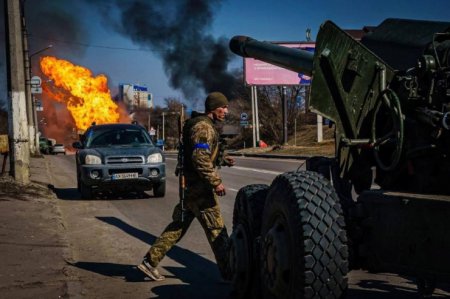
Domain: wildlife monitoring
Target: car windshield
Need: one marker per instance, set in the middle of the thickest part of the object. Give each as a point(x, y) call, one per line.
point(102, 137)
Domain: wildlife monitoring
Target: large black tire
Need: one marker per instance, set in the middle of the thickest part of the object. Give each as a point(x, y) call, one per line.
point(304, 251)
point(244, 258)
point(85, 190)
point(159, 190)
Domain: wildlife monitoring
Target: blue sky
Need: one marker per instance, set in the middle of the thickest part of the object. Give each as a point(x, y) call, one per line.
point(97, 45)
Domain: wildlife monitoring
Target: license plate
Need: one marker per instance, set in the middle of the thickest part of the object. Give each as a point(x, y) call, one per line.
point(124, 176)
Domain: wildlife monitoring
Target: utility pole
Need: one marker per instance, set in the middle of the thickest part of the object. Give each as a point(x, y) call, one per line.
point(17, 121)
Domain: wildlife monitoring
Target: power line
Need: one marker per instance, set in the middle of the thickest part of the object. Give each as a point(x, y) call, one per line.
point(87, 45)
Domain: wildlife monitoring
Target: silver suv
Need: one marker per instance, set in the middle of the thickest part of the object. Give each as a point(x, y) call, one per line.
point(119, 157)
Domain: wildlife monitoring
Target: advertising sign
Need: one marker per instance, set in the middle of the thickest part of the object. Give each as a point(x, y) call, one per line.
point(257, 72)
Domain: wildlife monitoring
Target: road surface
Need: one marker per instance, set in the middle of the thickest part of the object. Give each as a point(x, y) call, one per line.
point(109, 236)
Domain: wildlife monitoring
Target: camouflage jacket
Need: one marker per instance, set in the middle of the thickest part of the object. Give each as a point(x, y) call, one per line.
point(201, 147)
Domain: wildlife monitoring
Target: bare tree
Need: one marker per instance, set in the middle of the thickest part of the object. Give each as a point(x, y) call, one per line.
point(270, 110)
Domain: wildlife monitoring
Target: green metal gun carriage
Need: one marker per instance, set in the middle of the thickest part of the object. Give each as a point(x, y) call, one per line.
point(382, 203)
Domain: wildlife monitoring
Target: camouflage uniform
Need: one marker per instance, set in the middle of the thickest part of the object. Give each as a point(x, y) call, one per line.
point(201, 143)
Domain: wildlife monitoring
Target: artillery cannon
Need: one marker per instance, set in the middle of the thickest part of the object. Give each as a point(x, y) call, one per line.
point(381, 203)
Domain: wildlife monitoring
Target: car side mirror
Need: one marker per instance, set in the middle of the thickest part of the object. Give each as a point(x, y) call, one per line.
point(77, 145)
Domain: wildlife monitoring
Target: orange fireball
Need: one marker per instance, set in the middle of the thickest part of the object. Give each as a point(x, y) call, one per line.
point(87, 97)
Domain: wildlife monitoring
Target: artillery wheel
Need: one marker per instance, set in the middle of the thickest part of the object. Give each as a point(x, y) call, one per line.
point(244, 260)
point(304, 251)
point(426, 286)
point(388, 148)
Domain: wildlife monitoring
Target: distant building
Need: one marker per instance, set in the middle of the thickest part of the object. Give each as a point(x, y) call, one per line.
point(135, 96)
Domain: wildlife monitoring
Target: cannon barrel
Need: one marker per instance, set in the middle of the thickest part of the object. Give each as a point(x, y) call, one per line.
point(296, 60)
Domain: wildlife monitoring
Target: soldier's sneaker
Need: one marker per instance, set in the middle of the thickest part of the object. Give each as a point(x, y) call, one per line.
point(150, 271)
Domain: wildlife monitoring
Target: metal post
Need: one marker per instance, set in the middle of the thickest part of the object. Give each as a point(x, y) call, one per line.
point(253, 115)
point(149, 125)
point(284, 108)
point(255, 92)
point(319, 128)
point(163, 133)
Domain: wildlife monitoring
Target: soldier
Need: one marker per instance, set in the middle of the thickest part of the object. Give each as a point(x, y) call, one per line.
point(203, 186)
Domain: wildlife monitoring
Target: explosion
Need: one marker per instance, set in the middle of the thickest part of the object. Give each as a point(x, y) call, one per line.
point(87, 97)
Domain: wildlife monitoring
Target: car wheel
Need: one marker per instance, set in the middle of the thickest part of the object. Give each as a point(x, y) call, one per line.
point(159, 190)
point(85, 190)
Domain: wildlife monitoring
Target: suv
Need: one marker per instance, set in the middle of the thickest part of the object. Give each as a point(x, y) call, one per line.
point(119, 157)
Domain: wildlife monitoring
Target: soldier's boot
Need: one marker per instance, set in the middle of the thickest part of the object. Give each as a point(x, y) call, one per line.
point(149, 270)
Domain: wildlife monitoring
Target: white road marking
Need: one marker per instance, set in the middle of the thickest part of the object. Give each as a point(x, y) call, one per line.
point(247, 169)
point(256, 170)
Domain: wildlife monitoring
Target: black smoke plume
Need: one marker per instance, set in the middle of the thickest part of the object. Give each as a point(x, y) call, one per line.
point(176, 30)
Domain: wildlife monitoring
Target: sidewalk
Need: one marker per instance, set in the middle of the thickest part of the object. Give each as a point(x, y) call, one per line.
point(32, 244)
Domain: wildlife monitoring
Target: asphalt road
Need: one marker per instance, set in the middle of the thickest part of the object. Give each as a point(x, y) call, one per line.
point(109, 236)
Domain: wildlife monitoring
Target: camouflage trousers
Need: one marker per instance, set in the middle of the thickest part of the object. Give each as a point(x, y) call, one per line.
point(201, 203)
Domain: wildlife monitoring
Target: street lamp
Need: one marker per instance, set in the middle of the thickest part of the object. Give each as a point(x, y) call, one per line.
point(32, 114)
point(40, 51)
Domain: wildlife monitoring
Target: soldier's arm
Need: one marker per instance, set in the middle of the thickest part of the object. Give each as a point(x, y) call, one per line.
point(203, 139)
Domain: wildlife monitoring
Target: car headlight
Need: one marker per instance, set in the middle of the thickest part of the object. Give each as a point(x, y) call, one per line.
point(91, 159)
point(154, 158)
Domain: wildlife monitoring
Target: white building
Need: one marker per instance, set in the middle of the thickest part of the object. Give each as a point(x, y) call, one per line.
point(135, 96)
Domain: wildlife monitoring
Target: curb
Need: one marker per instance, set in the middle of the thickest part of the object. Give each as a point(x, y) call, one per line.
point(40, 171)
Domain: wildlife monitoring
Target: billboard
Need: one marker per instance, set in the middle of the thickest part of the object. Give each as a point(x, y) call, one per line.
point(258, 72)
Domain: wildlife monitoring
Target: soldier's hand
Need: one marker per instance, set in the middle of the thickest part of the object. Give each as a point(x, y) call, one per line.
point(220, 190)
point(229, 161)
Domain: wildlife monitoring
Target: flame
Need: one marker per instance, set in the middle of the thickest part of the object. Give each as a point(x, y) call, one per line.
point(87, 98)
